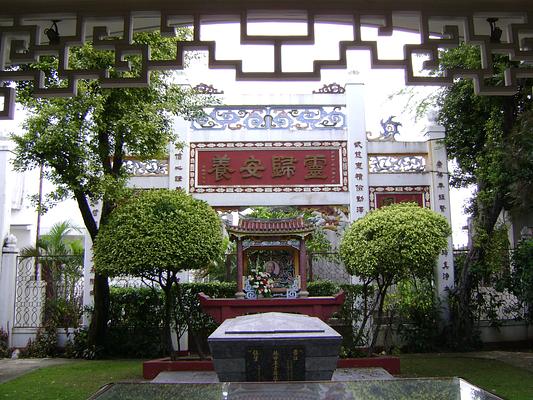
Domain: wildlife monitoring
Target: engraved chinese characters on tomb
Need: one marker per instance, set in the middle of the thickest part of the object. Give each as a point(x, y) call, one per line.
point(269, 168)
point(282, 363)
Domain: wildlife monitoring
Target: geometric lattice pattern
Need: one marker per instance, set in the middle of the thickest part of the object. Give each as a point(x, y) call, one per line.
point(29, 296)
point(22, 42)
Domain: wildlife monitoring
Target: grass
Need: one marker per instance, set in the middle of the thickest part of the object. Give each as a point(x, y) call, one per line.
point(504, 380)
point(80, 379)
point(75, 380)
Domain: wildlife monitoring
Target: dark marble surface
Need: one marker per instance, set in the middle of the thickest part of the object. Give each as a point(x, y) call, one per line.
point(274, 347)
point(394, 389)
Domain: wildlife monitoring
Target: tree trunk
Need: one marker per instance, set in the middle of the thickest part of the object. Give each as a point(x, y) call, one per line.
point(167, 332)
point(188, 321)
point(366, 313)
point(382, 292)
point(98, 326)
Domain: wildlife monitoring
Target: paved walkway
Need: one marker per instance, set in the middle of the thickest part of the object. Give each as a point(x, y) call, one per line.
point(11, 369)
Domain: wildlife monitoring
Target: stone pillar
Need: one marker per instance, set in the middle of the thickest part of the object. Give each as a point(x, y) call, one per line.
point(357, 151)
point(8, 271)
point(5, 189)
point(88, 277)
point(240, 270)
point(440, 203)
point(178, 167)
point(303, 269)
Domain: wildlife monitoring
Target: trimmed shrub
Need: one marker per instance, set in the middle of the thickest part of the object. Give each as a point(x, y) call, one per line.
point(136, 317)
point(322, 288)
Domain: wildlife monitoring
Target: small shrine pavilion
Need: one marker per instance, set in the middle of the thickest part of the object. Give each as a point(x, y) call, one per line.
point(276, 246)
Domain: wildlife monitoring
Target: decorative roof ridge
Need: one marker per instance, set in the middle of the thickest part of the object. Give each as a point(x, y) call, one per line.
point(272, 225)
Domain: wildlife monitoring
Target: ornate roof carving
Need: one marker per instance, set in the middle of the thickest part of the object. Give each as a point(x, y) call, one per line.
point(204, 88)
point(271, 227)
point(332, 88)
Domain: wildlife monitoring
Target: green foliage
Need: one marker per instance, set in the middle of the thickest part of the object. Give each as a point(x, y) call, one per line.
point(391, 244)
point(489, 137)
point(521, 282)
point(417, 310)
point(155, 231)
point(4, 344)
point(216, 270)
point(394, 242)
point(61, 261)
point(63, 313)
point(82, 141)
point(154, 235)
point(136, 323)
point(322, 288)
point(78, 346)
point(495, 264)
point(44, 345)
point(57, 243)
point(355, 314)
point(190, 315)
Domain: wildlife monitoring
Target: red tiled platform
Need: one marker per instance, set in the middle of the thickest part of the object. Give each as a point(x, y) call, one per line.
point(222, 309)
point(153, 367)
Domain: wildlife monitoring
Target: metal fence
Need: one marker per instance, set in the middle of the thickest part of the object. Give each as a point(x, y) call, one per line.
point(54, 285)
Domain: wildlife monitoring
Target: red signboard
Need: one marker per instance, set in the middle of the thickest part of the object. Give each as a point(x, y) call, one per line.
point(386, 199)
point(268, 166)
point(385, 195)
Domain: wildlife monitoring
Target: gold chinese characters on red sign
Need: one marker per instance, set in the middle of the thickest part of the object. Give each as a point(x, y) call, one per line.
point(269, 167)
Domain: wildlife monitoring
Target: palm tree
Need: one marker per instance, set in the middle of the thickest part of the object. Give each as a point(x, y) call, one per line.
point(60, 259)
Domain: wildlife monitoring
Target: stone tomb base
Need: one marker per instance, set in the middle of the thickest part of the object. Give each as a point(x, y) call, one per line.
point(274, 347)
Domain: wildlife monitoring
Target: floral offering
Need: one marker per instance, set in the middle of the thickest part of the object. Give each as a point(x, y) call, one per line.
point(261, 282)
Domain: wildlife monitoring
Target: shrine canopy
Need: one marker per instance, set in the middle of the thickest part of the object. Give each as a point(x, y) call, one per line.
point(270, 228)
point(276, 246)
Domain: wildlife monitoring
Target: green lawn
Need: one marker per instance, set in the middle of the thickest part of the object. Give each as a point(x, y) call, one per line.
point(497, 377)
point(76, 380)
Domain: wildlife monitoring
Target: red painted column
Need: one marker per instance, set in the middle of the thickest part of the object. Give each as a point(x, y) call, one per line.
point(240, 270)
point(303, 269)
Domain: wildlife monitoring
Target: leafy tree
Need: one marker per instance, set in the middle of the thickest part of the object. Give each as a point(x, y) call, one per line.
point(394, 243)
point(156, 234)
point(81, 142)
point(522, 275)
point(490, 138)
